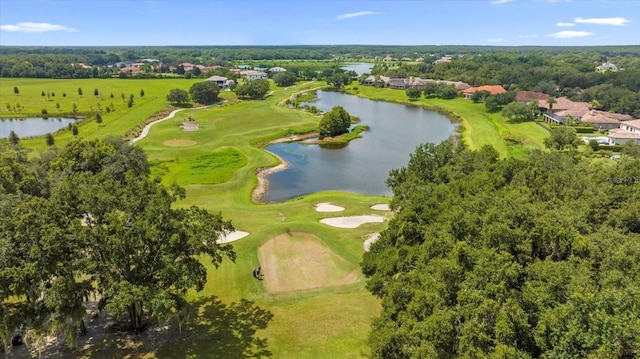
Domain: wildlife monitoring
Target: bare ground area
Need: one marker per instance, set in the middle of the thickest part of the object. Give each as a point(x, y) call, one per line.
point(300, 261)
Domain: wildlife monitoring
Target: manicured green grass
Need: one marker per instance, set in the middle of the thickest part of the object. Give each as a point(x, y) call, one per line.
point(479, 127)
point(116, 123)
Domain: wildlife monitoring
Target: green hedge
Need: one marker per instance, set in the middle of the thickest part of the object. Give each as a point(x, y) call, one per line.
point(579, 129)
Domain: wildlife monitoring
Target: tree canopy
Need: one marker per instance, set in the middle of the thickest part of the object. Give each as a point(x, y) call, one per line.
point(87, 219)
point(335, 122)
point(514, 258)
point(254, 89)
point(285, 78)
point(205, 92)
point(178, 96)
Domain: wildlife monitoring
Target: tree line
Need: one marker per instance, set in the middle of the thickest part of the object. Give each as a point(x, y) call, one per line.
point(536, 257)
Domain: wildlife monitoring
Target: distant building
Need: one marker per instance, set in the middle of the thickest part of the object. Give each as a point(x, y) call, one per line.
point(251, 75)
point(277, 69)
point(492, 89)
point(221, 81)
point(607, 66)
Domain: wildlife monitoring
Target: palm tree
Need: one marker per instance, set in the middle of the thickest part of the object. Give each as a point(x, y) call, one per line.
point(551, 101)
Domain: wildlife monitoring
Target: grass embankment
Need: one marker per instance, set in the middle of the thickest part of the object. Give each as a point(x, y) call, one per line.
point(114, 123)
point(479, 127)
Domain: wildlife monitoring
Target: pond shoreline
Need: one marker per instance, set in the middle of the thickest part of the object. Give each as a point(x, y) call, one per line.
point(262, 173)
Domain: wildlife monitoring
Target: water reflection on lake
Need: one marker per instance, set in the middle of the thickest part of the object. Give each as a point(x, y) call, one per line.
point(363, 165)
point(359, 67)
point(33, 126)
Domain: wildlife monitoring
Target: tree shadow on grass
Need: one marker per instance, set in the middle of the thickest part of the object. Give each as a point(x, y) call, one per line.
point(215, 330)
point(221, 331)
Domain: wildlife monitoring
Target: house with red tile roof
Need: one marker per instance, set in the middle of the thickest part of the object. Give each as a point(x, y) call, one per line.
point(530, 96)
point(492, 89)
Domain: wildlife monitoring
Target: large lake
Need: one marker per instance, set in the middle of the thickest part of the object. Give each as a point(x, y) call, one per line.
point(364, 164)
point(33, 126)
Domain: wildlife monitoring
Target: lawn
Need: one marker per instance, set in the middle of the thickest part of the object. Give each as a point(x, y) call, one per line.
point(115, 123)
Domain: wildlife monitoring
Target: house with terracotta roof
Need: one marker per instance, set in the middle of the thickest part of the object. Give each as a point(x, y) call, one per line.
point(600, 119)
point(527, 97)
point(629, 131)
point(492, 89)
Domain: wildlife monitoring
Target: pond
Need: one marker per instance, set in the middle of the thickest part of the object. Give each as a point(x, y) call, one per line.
point(359, 67)
point(33, 126)
point(364, 164)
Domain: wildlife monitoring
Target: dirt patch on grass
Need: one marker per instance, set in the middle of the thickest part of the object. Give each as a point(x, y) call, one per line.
point(190, 126)
point(179, 143)
point(300, 261)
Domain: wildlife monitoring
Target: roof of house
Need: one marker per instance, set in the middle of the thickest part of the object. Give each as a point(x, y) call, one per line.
point(577, 113)
point(563, 103)
point(624, 134)
point(492, 89)
point(252, 73)
point(594, 116)
point(633, 123)
point(620, 116)
point(216, 78)
point(277, 69)
point(526, 96)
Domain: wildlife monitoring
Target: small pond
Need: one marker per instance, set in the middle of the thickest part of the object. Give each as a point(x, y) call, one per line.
point(359, 67)
point(364, 164)
point(33, 126)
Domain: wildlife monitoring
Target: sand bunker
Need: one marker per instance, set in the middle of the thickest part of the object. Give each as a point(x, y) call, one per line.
point(232, 236)
point(179, 143)
point(190, 126)
point(301, 261)
point(373, 237)
point(351, 222)
point(328, 207)
point(380, 207)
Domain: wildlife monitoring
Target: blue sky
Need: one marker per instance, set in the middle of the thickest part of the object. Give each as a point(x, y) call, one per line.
point(315, 22)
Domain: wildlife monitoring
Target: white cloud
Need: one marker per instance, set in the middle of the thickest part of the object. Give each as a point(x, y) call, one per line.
point(570, 34)
point(565, 24)
point(355, 14)
point(529, 36)
point(615, 21)
point(495, 40)
point(35, 27)
point(497, 2)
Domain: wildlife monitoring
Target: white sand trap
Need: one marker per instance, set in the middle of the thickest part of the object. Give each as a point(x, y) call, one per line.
point(232, 236)
point(351, 222)
point(381, 207)
point(328, 207)
point(373, 237)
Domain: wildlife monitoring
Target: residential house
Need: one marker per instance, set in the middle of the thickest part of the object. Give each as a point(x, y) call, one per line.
point(629, 131)
point(387, 58)
point(527, 97)
point(420, 59)
point(251, 75)
point(492, 89)
point(221, 81)
point(406, 59)
point(443, 59)
point(373, 80)
point(600, 120)
point(607, 66)
point(277, 69)
point(398, 84)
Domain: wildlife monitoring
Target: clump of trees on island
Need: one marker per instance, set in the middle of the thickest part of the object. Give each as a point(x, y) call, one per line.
point(508, 258)
point(87, 222)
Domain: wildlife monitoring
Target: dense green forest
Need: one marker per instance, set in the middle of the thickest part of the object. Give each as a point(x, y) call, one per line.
point(516, 258)
point(86, 220)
